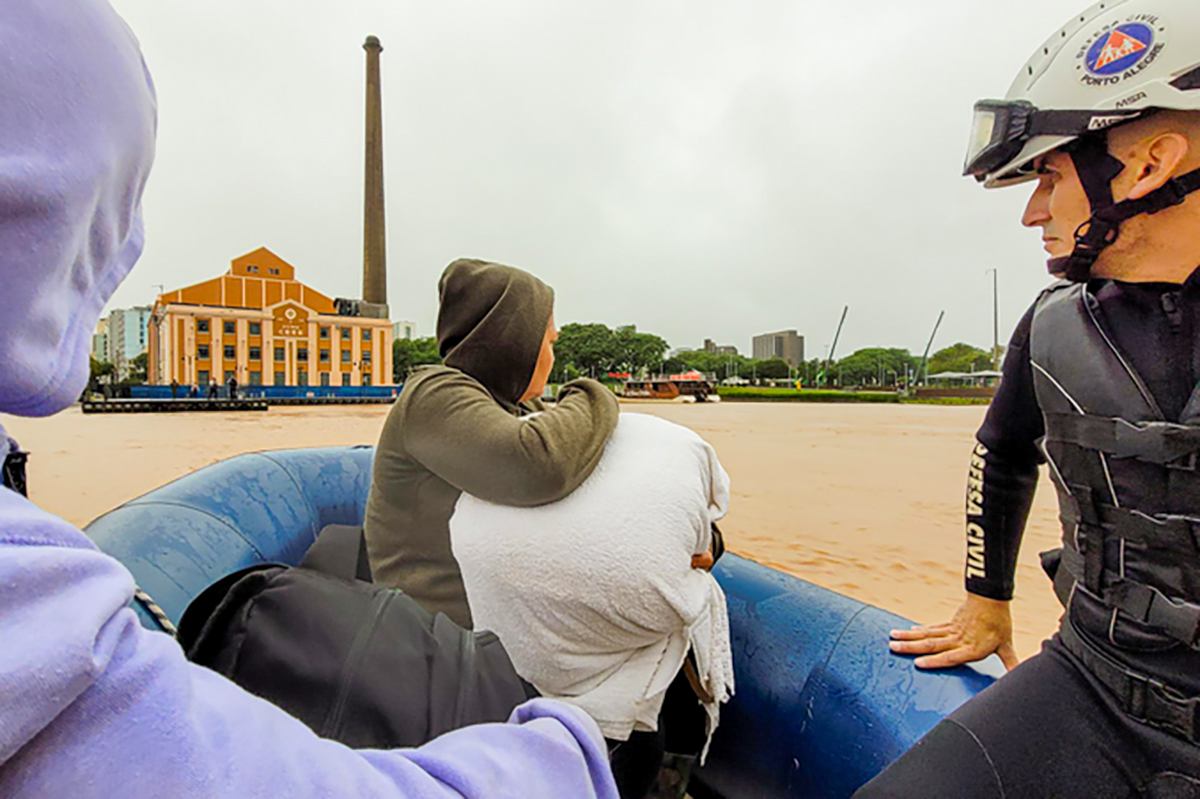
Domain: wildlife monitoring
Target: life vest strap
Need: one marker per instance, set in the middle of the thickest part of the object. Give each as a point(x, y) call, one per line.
point(1142, 697)
point(1166, 443)
point(1142, 603)
point(1175, 533)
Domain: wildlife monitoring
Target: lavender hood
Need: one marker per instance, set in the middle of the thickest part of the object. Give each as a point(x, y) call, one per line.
point(77, 125)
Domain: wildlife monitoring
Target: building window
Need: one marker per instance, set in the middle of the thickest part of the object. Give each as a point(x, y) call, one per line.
point(201, 325)
point(366, 334)
point(324, 356)
point(256, 328)
point(345, 356)
point(256, 353)
point(280, 354)
point(345, 334)
point(252, 269)
point(366, 356)
point(280, 379)
point(202, 377)
point(366, 381)
point(256, 378)
point(302, 354)
point(324, 332)
point(230, 328)
point(273, 270)
point(230, 351)
point(202, 352)
point(302, 377)
point(345, 379)
point(324, 378)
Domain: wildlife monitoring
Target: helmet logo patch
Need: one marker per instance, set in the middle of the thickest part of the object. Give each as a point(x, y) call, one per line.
point(1120, 49)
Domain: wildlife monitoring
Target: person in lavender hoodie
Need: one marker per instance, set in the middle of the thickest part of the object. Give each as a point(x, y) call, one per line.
point(91, 704)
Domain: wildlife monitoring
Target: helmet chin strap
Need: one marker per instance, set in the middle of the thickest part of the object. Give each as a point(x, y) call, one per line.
point(1097, 169)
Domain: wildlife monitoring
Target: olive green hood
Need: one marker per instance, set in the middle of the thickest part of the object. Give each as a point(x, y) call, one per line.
point(491, 324)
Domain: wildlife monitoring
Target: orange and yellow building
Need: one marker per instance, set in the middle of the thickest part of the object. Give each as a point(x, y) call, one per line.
point(259, 324)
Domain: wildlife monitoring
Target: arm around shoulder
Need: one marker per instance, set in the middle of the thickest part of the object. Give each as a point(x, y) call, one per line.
point(459, 432)
point(594, 402)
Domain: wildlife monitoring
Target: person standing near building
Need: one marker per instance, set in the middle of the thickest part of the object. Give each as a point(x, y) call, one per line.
point(91, 703)
point(1100, 381)
point(174, 389)
point(233, 386)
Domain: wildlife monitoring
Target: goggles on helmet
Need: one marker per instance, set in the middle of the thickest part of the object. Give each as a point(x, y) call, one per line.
point(1002, 128)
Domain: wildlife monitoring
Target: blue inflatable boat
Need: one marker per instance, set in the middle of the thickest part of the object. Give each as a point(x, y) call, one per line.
point(821, 706)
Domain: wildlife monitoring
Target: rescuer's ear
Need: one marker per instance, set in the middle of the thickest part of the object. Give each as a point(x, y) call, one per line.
point(1155, 160)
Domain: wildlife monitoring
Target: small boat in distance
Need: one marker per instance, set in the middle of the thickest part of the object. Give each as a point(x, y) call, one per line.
point(691, 385)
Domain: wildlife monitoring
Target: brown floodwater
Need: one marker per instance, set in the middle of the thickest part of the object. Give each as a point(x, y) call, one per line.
point(864, 499)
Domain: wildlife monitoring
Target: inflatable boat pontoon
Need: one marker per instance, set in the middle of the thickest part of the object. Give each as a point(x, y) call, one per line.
point(821, 704)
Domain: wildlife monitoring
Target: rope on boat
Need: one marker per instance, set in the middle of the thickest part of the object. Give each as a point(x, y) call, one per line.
point(158, 613)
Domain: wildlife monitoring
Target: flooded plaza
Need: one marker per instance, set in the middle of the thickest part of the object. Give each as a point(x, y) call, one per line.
point(864, 499)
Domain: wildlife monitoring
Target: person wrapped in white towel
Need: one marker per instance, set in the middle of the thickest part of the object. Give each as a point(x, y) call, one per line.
point(596, 598)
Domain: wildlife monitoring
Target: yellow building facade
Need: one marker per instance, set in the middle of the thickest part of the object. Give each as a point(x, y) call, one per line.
point(259, 324)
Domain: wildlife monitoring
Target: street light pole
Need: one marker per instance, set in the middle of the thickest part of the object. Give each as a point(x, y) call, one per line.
point(995, 320)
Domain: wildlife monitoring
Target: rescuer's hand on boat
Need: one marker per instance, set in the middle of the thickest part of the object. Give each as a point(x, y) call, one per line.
point(981, 627)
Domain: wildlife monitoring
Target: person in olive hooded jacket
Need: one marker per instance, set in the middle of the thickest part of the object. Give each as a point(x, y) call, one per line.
point(457, 428)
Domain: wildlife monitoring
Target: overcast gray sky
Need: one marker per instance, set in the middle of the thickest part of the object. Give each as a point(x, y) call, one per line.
point(698, 168)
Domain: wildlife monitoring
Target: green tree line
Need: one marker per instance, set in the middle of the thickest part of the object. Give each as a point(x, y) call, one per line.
point(101, 372)
point(595, 350)
point(582, 350)
point(880, 366)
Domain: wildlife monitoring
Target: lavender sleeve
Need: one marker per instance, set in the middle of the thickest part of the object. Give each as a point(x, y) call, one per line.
point(92, 704)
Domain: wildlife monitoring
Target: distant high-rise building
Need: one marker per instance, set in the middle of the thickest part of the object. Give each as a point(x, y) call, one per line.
point(406, 330)
point(785, 344)
point(100, 341)
point(126, 338)
point(714, 348)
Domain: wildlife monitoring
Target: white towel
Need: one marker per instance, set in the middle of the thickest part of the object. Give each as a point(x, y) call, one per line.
point(594, 596)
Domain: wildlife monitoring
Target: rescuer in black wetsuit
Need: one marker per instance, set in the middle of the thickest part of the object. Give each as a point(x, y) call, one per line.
point(1101, 383)
point(1010, 741)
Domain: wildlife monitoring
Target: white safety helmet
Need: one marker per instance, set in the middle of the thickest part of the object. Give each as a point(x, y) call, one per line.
point(1108, 65)
point(1116, 62)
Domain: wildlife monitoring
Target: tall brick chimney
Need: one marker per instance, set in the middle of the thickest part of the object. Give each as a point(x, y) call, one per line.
point(374, 296)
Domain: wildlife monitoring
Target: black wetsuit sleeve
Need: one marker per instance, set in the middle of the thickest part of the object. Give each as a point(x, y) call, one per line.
point(1003, 474)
